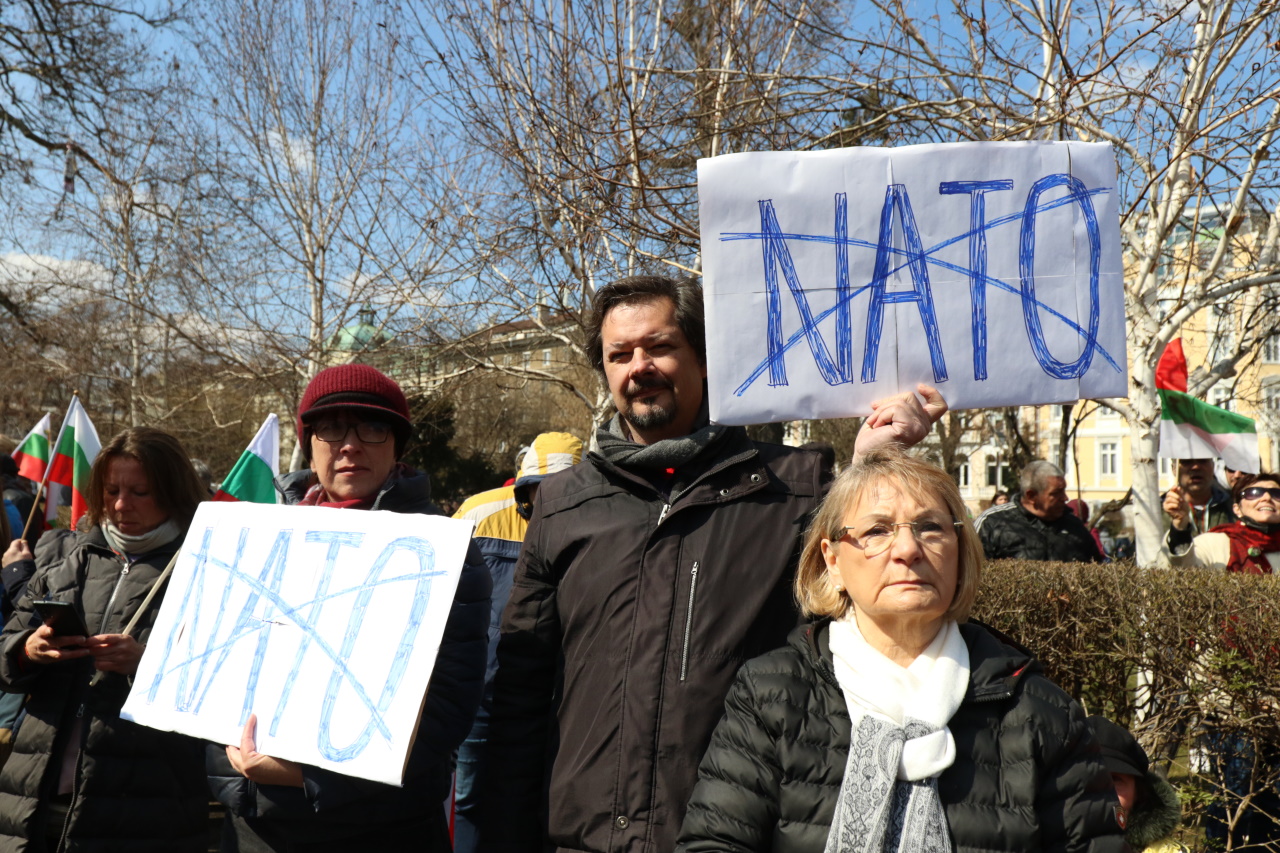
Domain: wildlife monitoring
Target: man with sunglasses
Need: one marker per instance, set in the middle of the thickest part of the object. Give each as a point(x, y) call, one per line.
point(354, 424)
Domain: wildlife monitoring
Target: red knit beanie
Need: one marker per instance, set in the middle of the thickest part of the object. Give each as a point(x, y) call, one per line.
point(354, 386)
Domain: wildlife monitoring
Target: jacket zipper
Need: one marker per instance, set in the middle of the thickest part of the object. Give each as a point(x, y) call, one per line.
point(106, 614)
point(666, 507)
point(688, 620)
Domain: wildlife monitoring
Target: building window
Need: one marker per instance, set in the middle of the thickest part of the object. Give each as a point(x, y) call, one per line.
point(1271, 349)
point(964, 475)
point(1108, 458)
point(1271, 397)
point(525, 358)
point(546, 358)
point(1221, 397)
point(992, 480)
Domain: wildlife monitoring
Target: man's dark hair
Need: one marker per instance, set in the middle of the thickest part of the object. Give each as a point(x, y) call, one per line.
point(685, 294)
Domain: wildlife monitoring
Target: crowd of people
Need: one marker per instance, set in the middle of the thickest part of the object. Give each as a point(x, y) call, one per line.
point(683, 639)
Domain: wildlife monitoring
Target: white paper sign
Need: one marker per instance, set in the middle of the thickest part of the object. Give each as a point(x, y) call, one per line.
point(323, 622)
point(835, 278)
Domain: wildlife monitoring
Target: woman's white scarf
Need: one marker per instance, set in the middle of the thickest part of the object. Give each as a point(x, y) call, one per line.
point(143, 543)
point(899, 742)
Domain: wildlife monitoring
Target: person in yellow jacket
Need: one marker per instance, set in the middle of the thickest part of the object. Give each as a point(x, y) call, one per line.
point(501, 517)
point(1148, 807)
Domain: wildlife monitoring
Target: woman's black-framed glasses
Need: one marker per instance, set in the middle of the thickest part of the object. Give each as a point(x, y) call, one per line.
point(877, 538)
point(369, 432)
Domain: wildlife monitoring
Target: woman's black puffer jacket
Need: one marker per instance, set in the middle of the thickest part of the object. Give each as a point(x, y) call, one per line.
point(1026, 776)
point(136, 789)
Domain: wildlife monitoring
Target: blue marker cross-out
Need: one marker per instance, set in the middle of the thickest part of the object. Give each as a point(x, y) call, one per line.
point(916, 259)
point(199, 654)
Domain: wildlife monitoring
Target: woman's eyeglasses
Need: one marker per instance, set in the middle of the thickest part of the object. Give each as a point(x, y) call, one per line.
point(369, 432)
point(1253, 493)
point(877, 538)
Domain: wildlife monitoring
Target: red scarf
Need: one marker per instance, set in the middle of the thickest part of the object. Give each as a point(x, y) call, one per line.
point(1248, 544)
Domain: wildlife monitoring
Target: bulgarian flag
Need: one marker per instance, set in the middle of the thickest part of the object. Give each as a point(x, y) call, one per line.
point(77, 447)
point(1193, 429)
point(32, 454)
point(253, 477)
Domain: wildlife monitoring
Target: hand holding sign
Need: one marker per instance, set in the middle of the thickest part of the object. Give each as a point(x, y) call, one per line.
point(900, 420)
point(256, 767)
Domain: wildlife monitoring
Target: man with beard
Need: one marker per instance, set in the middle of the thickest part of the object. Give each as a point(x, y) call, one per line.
point(649, 572)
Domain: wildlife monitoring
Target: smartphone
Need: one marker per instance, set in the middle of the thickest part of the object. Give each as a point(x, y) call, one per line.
point(63, 617)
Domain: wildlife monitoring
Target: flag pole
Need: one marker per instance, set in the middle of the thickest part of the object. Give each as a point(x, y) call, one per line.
point(48, 469)
point(26, 528)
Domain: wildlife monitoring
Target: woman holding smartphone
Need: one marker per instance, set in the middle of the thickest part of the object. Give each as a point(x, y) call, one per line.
point(79, 776)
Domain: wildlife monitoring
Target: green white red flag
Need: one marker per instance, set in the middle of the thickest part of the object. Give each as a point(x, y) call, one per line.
point(1191, 428)
point(77, 447)
point(32, 454)
point(253, 477)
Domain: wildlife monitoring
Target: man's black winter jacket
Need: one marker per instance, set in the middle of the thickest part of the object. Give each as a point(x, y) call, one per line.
point(1010, 532)
point(627, 621)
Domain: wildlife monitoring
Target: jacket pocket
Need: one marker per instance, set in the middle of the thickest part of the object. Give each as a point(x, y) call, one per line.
point(688, 620)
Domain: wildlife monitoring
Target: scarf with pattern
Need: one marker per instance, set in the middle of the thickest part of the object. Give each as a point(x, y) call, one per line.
point(899, 743)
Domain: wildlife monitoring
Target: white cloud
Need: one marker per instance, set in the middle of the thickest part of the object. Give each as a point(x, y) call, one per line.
point(51, 280)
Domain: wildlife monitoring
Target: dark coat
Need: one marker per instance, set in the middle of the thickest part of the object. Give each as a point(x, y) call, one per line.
point(333, 812)
point(1010, 532)
point(627, 621)
point(1027, 775)
point(137, 788)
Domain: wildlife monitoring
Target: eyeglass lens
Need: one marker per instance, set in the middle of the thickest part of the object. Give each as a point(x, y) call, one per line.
point(369, 432)
point(879, 537)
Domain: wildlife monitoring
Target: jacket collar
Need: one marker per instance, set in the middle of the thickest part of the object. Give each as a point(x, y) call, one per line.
point(735, 448)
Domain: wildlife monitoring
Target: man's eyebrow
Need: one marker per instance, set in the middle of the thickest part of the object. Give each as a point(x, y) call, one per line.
point(652, 337)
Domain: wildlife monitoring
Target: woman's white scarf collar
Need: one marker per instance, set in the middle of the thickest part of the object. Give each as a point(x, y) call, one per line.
point(929, 690)
point(136, 545)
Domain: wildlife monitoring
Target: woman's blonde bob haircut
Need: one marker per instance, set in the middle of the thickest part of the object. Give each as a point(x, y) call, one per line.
point(815, 590)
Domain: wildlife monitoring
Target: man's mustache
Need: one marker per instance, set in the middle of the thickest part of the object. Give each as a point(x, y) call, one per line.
point(648, 383)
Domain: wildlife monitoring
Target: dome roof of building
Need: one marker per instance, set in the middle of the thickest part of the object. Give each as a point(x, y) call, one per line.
point(364, 334)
